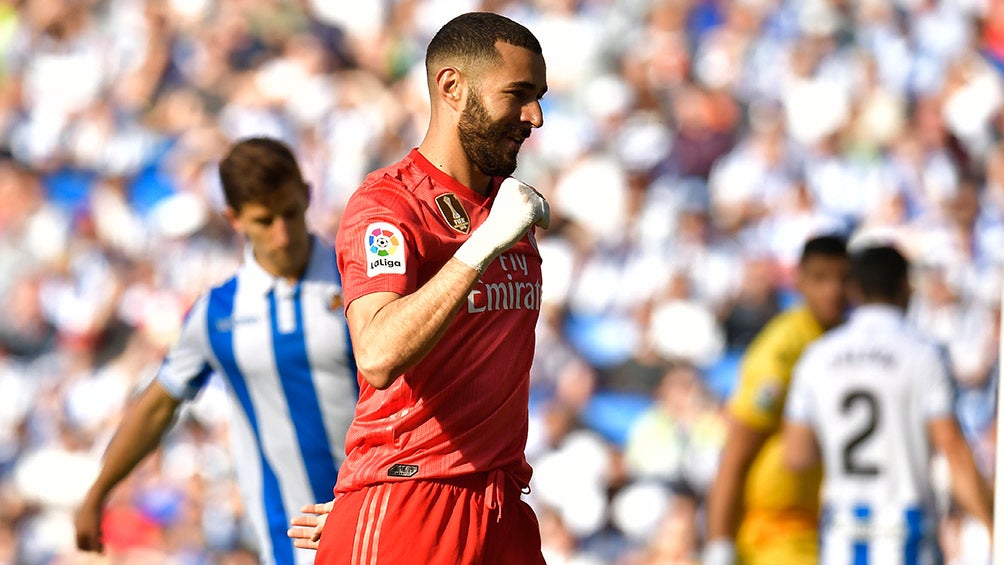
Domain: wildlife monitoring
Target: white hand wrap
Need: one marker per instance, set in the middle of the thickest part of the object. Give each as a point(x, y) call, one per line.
point(719, 552)
point(515, 209)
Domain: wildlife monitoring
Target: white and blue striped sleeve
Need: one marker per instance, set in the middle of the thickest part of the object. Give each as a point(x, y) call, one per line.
point(186, 367)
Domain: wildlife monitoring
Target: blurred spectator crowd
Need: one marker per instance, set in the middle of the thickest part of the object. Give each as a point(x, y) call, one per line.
point(689, 148)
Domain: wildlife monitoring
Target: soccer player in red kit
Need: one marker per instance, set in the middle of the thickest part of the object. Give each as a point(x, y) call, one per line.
point(441, 278)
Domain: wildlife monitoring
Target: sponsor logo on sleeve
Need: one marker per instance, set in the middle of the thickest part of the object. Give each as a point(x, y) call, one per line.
point(224, 325)
point(385, 250)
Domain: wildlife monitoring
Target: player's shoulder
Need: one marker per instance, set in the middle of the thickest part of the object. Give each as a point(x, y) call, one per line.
point(390, 191)
point(223, 291)
point(218, 297)
point(323, 248)
point(786, 335)
point(400, 178)
point(821, 348)
point(920, 346)
point(323, 265)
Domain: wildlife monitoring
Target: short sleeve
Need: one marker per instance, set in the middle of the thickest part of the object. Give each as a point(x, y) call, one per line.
point(186, 368)
point(759, 398)
point(938, 398)
point(376, 243)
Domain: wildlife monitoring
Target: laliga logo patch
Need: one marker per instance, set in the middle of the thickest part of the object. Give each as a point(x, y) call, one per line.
point(454, 212)
point(768, 395)
point(384, 250)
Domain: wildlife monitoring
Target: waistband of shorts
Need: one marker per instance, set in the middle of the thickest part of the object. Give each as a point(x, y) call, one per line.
point(479, 480)
point(768, 523)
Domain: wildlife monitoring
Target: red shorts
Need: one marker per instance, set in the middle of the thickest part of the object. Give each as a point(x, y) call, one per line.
point(474, 519)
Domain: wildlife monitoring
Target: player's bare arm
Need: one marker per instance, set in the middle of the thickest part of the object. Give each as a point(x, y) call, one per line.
point(139, 433)
point(391, 333)
point(968, 486)
point(801, 449)
point(726, 495)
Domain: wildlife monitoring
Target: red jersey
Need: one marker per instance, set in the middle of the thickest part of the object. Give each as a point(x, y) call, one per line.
point(463, 408)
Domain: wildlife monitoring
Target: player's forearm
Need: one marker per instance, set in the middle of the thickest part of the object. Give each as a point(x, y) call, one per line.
point(725, 501)
point(137, 435)
point(968, 486)
point(404, 330)
point(724, 505)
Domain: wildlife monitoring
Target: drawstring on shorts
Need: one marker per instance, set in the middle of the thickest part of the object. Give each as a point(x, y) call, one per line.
point(495, 491)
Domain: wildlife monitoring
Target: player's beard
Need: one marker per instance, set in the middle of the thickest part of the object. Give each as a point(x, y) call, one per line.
point(490, 146)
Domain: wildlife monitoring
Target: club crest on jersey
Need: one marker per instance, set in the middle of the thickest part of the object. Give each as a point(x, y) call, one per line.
point(385, 249)
point(335, 301)
point(454, 212)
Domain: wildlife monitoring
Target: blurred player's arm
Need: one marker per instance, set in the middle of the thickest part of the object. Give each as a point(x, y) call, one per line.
point(725, 499)
point(138, 434)
point(755, 411)
point(391, 333)
point(801, 450)
point(968, 486)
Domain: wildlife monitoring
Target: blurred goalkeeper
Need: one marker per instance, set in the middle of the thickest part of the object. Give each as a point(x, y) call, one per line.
point(759, 512)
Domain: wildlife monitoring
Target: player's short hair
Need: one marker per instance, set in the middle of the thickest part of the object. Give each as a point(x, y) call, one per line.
point(255, 169)
point(880, 271)
point(829, 245)
point(468, 41)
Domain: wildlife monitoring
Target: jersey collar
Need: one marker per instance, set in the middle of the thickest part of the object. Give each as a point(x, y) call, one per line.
point(808, 322)
point(872, 314)
point(255, 278)
point(444, 180)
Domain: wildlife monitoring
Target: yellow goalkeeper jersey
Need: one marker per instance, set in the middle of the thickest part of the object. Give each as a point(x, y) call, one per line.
point(781, 508)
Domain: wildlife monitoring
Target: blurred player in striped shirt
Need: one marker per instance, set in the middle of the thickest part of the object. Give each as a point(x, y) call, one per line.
point(277, 335)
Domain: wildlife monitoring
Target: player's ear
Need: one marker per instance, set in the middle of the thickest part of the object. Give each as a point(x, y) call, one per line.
point(451, 88)
point(233, 218)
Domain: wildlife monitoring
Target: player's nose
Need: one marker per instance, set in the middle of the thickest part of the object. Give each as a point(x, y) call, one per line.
point(533, 114)
point(281, 233)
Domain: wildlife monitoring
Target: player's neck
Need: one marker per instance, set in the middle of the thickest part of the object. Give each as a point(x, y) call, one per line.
point(450, 158)
point(293, 273)
point(898, 305)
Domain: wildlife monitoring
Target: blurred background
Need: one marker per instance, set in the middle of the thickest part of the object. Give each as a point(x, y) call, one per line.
point(689, 148)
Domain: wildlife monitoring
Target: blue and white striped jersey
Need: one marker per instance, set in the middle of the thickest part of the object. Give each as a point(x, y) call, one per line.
point(868, 389)
point(283, 351)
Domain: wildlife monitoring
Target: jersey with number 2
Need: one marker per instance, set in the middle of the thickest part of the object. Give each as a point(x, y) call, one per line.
point(868, 389)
